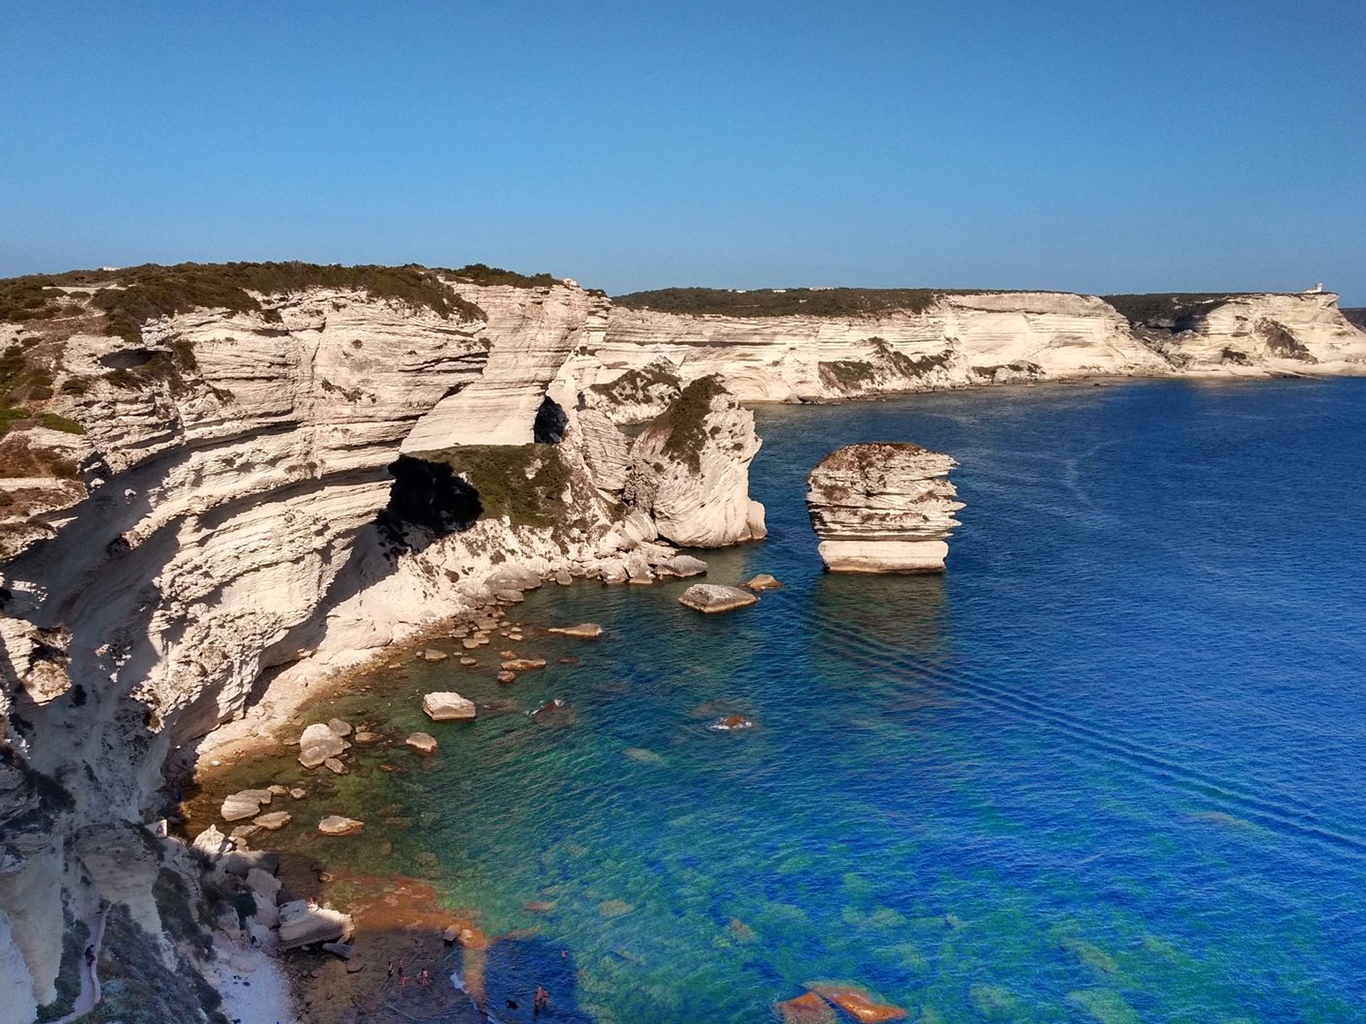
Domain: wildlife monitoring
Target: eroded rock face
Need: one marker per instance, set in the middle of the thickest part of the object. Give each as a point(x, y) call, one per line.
point(690, 470)
point(883, 507)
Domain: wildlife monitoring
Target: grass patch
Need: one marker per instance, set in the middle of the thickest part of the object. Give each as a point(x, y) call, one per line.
point(134, 295)
point(52, 421)
point(790, 301)
point(684, 422)
point(847, 374)
point(526, 483)
point(634, 386)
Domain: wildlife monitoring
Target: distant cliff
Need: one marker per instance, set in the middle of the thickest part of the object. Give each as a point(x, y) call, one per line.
point(803, 344)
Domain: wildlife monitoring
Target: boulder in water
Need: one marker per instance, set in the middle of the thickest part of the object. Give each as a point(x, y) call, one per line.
point(422, 743)
point(302, 924)
point(318, 743)
point(763, 581)
point(336, 825)
point(246, 804)
point(883, 507)
point(447, 706)
point(712, 598)
point(583, 631)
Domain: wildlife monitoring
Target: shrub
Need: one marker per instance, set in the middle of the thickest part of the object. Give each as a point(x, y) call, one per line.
point(683, 423)
point(52, 421)
point(483, 274)
point(526, 483)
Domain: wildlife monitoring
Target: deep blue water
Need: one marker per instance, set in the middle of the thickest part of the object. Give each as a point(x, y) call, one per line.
point(1108, 767)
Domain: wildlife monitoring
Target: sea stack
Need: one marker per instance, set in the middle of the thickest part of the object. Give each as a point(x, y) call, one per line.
point(883, 507)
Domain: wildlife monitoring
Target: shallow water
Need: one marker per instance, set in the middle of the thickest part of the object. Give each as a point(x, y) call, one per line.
point(1108, 767)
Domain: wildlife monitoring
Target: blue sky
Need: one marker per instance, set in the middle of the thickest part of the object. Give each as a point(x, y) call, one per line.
point(1098, 146)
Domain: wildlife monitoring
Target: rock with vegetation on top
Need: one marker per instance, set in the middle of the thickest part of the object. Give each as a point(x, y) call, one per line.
point(690, 469)
point(318, 743)
point(883, 507)
point(447, 706)
point(712, 598)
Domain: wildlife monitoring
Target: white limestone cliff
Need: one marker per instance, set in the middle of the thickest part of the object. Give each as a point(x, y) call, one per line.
point(222, 502)
point(958, 340)
point(883, 507)
point(690, 470)
point(234, 513)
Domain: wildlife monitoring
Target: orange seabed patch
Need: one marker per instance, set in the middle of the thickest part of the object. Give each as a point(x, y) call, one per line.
point(858, 1002)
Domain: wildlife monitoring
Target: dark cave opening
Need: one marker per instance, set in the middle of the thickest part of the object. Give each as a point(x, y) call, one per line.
point(428, 495)
point(550, 423)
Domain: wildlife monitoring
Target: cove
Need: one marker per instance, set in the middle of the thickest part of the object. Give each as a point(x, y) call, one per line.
point(1108, 767)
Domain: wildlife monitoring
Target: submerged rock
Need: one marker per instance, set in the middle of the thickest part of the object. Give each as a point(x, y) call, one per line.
point(583, 631)
point(712, 598)
point(273, 821)
point(318, 743)
point(858, 1002)
point(807, 1008)
point(883, 507)
point(421, 742)
point(246, 804)
point(432, 654)
point(732, 723)
point(447, 706)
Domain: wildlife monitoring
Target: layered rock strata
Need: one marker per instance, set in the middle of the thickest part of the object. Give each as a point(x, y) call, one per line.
point(883, 507)
point(689, 470)
point(958, 340)
point(224, 495)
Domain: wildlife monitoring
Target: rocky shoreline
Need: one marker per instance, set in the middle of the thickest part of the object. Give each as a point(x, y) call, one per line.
point(233, 487)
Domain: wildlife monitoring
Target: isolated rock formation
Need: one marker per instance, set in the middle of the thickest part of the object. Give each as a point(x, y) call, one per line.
point(883, 507)
point(690, 470)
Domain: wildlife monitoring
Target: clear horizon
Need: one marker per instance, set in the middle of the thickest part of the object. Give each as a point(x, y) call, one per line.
point(1058, 146)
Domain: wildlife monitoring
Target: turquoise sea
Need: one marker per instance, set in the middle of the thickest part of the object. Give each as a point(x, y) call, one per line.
point(1109, 767)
